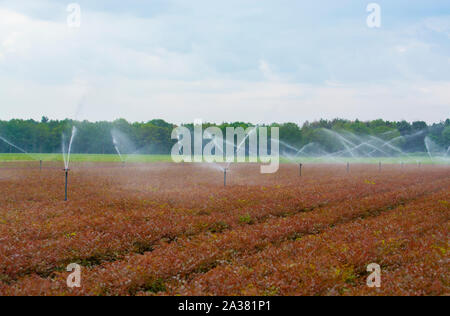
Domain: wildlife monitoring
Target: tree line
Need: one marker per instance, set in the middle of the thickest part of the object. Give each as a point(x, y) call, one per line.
point(154, 137)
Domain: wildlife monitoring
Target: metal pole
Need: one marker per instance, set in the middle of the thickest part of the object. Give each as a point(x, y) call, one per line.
point(40, 165)
point(300, 165)
point(348, 167)
point(224, 177)
point(380, 166)
point(67, 178)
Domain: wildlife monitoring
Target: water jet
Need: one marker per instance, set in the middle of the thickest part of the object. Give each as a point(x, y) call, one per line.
point(236, 148)
point(123, 146)
point(18, 148)
point(117, 149)
point(66, 157)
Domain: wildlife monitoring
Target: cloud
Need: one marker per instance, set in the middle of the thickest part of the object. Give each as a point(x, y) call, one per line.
point(267, 71)
point(229, 100)
point(259, 61)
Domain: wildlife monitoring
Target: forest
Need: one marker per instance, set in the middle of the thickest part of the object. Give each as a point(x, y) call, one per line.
point(154, 137)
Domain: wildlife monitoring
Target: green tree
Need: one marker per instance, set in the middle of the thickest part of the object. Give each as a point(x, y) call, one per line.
point(446, 136)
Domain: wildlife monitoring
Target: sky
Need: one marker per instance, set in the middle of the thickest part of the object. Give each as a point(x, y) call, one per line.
point(258, 61)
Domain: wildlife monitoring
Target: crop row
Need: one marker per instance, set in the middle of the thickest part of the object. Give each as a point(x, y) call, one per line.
point(203, 252)
point(44, 238)
point(410, 244)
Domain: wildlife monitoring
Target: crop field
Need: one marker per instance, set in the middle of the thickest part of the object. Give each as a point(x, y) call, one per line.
point(136, 158)
point(83, 158)
point(174, 229)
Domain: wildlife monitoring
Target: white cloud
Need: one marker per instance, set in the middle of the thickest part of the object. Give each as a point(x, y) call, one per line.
point(185, 64)
point(266, 71)
point(439, 25)
point(228, 100)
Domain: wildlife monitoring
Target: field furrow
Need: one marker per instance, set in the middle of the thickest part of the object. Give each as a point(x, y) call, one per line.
point(49, 239)
point(189, 256)
point(410, 243)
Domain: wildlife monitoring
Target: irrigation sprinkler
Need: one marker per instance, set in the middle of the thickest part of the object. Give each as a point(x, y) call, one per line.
point(300, 169)
point(67, 178)
point(379, 166)
point(348, 167)
point(225, 176)
point(40, 165)
point(66, 157)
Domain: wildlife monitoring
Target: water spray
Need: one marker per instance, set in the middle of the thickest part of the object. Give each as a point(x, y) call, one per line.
point(66, 157)
point(12, 145)
point(358, 146)
point(238, 148)
point(117, 150)
point(16, 147)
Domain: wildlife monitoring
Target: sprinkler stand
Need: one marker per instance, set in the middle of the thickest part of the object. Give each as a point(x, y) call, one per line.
point(40, 165)
point(348, 167)
point(300, 170)
point(225, 177)
point(380, 166)
point(67, 178)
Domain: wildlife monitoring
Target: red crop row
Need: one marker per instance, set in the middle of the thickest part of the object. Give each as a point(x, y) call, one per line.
point(410, 244)
point(201, 253)
point(126, 215)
